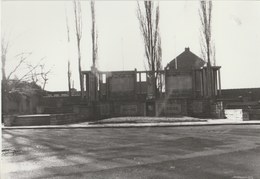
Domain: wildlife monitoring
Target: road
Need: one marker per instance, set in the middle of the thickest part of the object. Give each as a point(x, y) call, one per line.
point(214, 152)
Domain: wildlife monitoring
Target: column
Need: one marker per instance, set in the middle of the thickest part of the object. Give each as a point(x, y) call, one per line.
point(194, 83)
point(201, 83)
point(219, 82)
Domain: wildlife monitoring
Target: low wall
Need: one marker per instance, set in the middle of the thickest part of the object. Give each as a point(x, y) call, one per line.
point(254, 114)
point(44, 119)
point(119, 108)
point(60, 119)
point(170, 107)
point(234, 114)
point(199, 108)
point(206, 108)
point(138, 106)
point(27, 120)
point(243, 114)
point(56, 110)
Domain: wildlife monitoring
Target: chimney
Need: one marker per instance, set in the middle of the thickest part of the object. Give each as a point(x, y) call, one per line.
point(187, 49)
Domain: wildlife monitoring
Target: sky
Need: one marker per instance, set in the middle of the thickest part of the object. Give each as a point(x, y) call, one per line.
point(39, 27)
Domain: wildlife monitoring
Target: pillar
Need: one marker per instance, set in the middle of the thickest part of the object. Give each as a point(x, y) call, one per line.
point(219, 82)
point(201, 83)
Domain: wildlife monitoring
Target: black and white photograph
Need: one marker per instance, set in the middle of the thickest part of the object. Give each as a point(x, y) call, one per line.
point(130, 89)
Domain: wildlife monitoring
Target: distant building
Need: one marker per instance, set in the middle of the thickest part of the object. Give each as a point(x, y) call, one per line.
point(74, 92)
point(243, 98)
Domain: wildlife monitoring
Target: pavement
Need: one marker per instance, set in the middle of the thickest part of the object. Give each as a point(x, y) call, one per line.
point(204, 122)
point(201, 152)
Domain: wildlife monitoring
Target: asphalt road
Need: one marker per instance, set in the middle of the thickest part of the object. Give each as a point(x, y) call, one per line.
point(209, 152)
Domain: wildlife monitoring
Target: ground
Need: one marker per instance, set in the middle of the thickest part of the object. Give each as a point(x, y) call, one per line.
point(214, 152)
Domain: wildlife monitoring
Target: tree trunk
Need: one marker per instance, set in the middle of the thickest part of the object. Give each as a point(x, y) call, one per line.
point(80, 75)
point(69, 79)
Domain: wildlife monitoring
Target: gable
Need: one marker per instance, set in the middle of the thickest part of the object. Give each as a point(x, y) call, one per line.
point(186, 61)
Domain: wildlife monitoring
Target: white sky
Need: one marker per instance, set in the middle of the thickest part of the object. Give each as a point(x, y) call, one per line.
point(40, 27)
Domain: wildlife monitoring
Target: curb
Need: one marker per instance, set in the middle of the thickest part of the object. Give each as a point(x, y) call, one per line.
point(132, 126)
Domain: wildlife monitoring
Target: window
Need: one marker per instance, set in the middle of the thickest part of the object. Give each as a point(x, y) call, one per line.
point(104, 78)
point(143, 77)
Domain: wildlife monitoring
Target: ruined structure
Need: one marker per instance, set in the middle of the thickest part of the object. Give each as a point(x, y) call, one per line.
point(188, 88)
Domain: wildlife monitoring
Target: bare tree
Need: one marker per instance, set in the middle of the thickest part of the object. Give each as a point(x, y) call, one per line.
point(22, 58)
point(69, 78)
point(44, 75)
point(78, 25)
point(94, 34)
point(68, 40)
point(31, 74)
point(37, 74)
point(207, 45)
point(4, 49)
point(148, 17)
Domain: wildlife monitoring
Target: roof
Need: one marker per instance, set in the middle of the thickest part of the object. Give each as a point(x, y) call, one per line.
point(186, 61)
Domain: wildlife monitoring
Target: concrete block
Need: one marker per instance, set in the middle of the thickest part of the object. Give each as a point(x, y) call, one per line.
point(234, 114)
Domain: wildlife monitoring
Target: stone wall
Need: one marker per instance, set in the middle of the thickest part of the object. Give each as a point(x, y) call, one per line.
point(18, 103)
point(217, 110)
point(60, 119)
point(120, 108)
point(179, 82)
point(60, 105)
point(26, 120)
point(199, 108)
point(253, 114)
point(243, 114)
point(44, 119)
point(234, 114)
point(171, 107)
point(205, 108)
point(122, 85)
